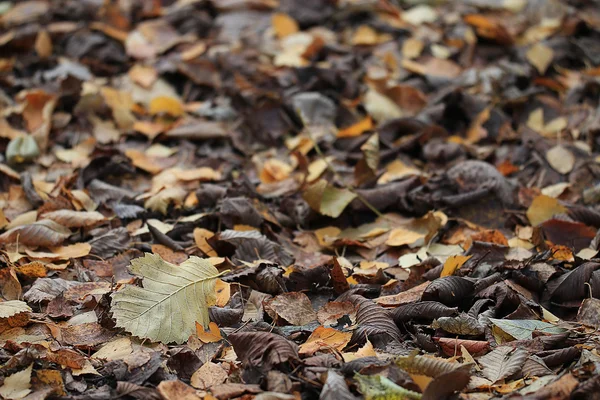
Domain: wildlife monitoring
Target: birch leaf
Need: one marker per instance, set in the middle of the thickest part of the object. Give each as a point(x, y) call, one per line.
point(172, 300)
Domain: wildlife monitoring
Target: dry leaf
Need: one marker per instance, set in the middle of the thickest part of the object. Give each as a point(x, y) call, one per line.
point(540, 56)
point(283, 25)
point(213, 335)
point(150, 312)
point(17, 385)
point(543, 208)
point(325, 339)
point(561, 159)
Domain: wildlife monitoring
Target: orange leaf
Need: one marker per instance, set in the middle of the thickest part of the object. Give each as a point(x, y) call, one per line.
point(166, 105)
point(213, 335)
point(325, 338)
point(283, 25)
point(453, 263)
point(357, 129)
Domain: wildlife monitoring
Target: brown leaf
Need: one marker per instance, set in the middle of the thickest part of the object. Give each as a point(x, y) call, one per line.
point(44, 233)
point(293, 307)
point(262, 349)
point(503, 362)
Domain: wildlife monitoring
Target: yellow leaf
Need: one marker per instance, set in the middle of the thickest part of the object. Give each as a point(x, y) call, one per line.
point(284, 25)
point(212, 336)
point(223, 290)
point(453, 263)
point(365, 36)
point(540, 56)
point(166, 105)
point(543, 208)
point(325, 236)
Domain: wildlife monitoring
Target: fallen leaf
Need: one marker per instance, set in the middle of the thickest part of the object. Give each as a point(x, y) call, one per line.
point(540, 56)
point(17, 385)
point(325, 339)
point(211, 336)
point(148, 312)
point(560, 159)
point(543, 208)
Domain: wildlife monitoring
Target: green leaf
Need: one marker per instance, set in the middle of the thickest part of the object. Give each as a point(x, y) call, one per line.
point(172, 300)
point(522, 329)
point(21, 149)
point(377, 387)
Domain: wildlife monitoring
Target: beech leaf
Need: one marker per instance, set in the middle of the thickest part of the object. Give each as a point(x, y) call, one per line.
point(502, 362)
point(172, 300)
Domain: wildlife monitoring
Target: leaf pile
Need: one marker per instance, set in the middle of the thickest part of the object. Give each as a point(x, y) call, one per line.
point(284, 199)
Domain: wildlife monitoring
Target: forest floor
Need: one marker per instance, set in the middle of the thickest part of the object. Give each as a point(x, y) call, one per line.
point(299, 199)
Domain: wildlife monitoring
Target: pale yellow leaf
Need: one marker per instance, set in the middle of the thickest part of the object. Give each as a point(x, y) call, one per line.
point(540, 56)
point(17, 385)
point(560, 159)
point(172, 300)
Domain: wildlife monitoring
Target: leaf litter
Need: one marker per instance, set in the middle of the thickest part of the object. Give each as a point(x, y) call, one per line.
point(280, 199)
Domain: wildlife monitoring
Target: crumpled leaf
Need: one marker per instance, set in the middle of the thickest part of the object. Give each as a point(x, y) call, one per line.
point(172, 300)
point(262, 349)
point(375, 387)
point(522, 329)
point(503, 362)
point(13, 313)
point(428, 366)
point(422, 310)
point(45, 233)
point(463, 324)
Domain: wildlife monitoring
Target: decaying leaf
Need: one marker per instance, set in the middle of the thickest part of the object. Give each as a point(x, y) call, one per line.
point(159, 311)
